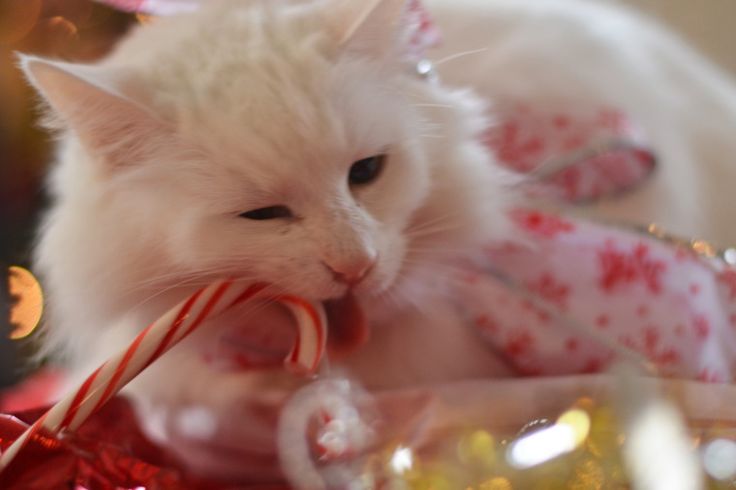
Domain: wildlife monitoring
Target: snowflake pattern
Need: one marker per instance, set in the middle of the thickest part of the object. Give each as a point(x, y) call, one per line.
point(619, 267)
point(541, 224)
point(633, 292)
point(525, 139)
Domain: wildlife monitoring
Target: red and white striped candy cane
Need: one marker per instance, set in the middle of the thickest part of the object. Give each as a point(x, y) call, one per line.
point(159, 337)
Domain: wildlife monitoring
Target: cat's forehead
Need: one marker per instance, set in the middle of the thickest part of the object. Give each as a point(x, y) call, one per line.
point(264, 87)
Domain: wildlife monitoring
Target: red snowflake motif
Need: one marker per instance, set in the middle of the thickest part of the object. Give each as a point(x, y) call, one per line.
point(571, 344)
point(561, 121)
point(522, 152)
point(628, 341)
point(542, 316)
point(611, 119)
point(574, 142)
point(569, 181)
point(530, 370)
point(701, 327)
point(592, 365)
point(484, 322)
point(710, 376)
point(732, 319)
point(651, 348)
point(426, 34)
point(550, 289)
point(503, 248)
point(546, 225)
point(470, 277)
point(728, 277)
point(602, 321)
point(651, 338)
point(620, 267)
point(519, 343)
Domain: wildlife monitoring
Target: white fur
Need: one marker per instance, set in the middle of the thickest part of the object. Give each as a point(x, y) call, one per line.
point(582, 53)
point(198, 118)
point(248, 104)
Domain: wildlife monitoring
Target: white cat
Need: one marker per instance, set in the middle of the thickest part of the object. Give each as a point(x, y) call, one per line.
point(241, 141)
point(585, 54)
point(283, 142)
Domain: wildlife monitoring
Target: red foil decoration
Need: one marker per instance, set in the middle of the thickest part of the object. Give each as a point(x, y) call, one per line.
point(109, 451)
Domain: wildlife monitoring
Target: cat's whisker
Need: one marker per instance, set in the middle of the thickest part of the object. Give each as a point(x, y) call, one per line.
point(436, 219)
point(432, 229)
point(461, 54)
point(440, 106)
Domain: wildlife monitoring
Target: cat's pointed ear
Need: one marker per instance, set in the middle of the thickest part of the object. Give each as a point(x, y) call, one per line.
point(85, 99)
point(373, 27)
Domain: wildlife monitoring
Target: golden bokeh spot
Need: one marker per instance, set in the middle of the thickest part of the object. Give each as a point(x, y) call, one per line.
point(144, 18)
point(17, 19)
point(431, 480)
point(498, 483)
point(477, 448)
point(602, 441)
point(579, 421)
point(62, 26)
point(589, 475)
point(703, 248)
point(27, 302)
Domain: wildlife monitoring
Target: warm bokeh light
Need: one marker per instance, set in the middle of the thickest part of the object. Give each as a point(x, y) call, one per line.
point(477, 448)
point(570, 431)
point(402, 460)
point(579, 422)
point(17, 18)
point(27, 307)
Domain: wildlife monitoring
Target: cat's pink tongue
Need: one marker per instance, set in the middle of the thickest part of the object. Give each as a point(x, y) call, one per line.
point(348, 328)
point(269, 335)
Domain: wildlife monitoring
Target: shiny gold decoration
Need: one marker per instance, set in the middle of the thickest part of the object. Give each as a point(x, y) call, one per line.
point(27, 307)
point(589, 475)
point(477, 449)
point(498, 483)
point(603, 437)
point(474, 459)
point(579, 421)
point(701, 247)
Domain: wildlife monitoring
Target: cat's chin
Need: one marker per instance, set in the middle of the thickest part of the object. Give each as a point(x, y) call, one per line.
point(263, 338)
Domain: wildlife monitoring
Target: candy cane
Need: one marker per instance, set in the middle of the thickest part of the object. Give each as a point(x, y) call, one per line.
point(159, 337)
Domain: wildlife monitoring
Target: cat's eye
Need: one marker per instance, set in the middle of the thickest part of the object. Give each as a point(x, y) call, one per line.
point(270, 212)
point(366, 170)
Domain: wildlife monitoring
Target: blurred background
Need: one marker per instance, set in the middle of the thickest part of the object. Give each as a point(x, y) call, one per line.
point(63, 29)
point(82, 30)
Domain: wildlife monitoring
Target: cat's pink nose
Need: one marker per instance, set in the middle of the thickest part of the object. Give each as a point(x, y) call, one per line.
point(351, 273)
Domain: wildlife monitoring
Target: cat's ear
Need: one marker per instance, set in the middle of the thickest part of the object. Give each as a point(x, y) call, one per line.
point(85, 99)
point(372, 27)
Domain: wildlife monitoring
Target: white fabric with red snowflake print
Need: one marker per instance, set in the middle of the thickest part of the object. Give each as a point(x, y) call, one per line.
point(629, 290)
point(580, 154)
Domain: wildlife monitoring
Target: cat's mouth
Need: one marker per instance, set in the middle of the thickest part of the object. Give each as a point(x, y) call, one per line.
point(268, 336)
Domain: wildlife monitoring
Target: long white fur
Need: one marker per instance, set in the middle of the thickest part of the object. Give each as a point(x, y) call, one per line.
point(254, 103)
point(247, 104)
point(584, 54)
